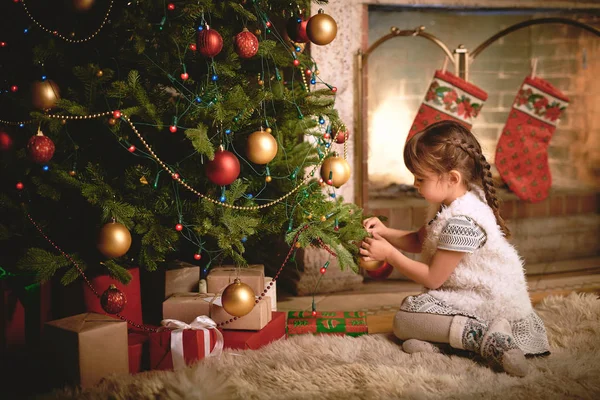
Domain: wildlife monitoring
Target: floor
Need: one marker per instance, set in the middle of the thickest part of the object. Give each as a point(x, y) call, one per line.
point(381, 299)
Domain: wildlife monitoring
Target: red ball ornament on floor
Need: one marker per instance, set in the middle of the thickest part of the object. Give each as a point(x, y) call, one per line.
point(113, 300)
point(382, 272)
point(246, 44)
point(209, 42)
point(40, 148)
point(223, 169)
point(6, 141)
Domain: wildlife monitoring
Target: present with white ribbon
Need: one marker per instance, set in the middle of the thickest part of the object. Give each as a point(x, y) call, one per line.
point(182, 344)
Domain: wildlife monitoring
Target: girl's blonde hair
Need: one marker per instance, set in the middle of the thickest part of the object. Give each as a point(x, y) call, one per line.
point(447, 145)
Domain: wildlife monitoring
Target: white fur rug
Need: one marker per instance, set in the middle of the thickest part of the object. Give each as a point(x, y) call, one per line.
point(375, 367)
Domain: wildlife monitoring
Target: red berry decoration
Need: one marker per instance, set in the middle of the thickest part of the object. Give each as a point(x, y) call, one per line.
point(323, 270)
point(297, 30)
point(197, 256)
point(246, 44)
point(131, 149)
point(193, 47)
point(223, 169)
point(334, 89)
point(296, 62)
point(173, 128)
point(113, 300)
point(184, 76)
point(20, 186)
point(14, 88)
point(175, 176)
point(340, 137)
point(6, 141)
point(171, 6)
point(178, 227)
point(209, 42)
point(116, 114)
point(314, 313)
point(40, 148)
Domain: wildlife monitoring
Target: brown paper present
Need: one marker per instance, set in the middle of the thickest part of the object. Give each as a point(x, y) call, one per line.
point(187, 306)
point(255, 320)
point(86, 347)
point(181, 277)
point(220, 277)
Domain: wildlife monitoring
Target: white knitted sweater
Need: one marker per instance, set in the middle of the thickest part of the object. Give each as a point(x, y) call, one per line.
point(490, 282)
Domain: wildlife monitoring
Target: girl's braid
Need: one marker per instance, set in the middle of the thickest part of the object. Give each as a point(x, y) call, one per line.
point(486, 179)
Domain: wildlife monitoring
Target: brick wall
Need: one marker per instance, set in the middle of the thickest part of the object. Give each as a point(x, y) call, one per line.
point(400, 72)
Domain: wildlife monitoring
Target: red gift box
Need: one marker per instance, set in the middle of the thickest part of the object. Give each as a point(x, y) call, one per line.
point(23, 314)
point(137, 344)
point(197, 344)
point(256, 339)
point(133, 308)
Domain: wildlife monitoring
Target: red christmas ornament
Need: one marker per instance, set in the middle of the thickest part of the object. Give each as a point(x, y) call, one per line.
point(197, 256)
point(175, 176)
point(297, 30)
point(6, 141)
point(179, 227)
point(20, 186)
point(184, 76)
point(334, 89)
point(340, 137)
point(246, 44)
point(171, 6)
point(14, 88)
point(296, 62)
point(193, 47)
point(116, 114)
point(314, 313)
point(40, 148)
point(131, 148)
point(382, 272)
point(113, 300)
point(223, 169)
point(209, 42)
point(323, 270)
point(173, 128)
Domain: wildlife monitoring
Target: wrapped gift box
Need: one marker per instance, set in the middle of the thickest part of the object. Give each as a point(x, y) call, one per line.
point(86, 347)
point(197, 344)
point(137, 345)
point(24, 309)
point(254, 340)
point(132, 291)
point(186, 307)
point(181, 277)
point(220, 277)
point(342, 323)
point(272, 293)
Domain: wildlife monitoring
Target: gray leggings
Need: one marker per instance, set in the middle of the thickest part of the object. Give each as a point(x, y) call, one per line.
point(423, 326)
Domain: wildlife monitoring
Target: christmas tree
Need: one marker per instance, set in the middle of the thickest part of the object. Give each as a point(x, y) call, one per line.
point(136, 133)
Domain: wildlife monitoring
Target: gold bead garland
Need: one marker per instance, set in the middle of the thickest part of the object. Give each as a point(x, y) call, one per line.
point(176, 177)
point(66, 39)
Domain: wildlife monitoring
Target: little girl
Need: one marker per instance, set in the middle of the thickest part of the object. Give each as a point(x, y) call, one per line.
point(476, 297)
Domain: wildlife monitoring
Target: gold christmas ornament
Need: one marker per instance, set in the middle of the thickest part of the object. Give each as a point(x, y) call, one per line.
point(238, 299)
point(262, 147)
point(82, 5)
point(321, 28)
point(114, 240)
point(44, 94)
point(337, 169)
point(369, 265)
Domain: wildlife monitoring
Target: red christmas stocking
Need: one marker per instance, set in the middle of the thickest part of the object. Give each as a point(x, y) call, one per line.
point(448, 98)
point(522, 151)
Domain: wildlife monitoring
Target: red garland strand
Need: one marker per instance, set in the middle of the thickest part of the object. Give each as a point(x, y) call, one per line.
point(220, 324)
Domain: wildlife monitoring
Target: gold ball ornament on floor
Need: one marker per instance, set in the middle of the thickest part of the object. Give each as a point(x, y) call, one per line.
point(369, 265)
point(321, 28)
point(261, 147)
point(238, 299)
point(337, 168)
point(114, 240)
point(44, 94)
